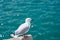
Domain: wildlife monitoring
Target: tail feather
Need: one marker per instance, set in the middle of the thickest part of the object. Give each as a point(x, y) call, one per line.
point(14, 36)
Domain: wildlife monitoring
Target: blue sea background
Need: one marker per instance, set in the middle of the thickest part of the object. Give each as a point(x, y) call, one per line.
point(45, 14)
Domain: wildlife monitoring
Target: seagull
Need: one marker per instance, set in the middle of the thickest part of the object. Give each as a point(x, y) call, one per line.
point(23, 28)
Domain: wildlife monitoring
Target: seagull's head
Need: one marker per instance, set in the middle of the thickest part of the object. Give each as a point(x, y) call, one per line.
point(28, 19)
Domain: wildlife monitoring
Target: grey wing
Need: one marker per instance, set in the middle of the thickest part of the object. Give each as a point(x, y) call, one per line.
point(23, 31)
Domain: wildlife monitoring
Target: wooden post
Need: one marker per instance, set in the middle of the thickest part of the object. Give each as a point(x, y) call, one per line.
point(21, 38)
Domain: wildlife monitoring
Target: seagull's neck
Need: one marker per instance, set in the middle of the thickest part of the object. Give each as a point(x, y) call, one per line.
point(27, 22)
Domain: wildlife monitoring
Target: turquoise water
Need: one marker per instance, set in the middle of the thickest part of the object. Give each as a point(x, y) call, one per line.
point(45, 14)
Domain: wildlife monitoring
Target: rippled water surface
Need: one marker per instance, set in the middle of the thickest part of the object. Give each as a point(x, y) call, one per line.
point(45, 14)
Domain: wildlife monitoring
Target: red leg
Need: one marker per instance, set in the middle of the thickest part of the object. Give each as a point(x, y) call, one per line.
point(25, 36)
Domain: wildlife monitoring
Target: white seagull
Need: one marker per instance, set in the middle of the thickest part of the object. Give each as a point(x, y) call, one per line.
point(23, 28)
